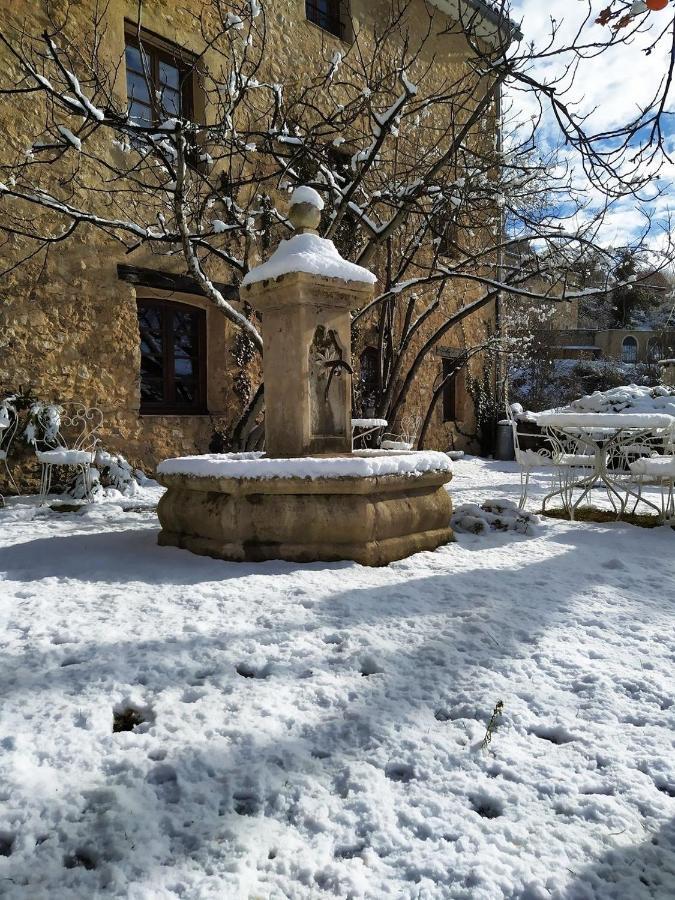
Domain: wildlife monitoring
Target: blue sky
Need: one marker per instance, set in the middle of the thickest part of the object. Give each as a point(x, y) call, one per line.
point(611, 88)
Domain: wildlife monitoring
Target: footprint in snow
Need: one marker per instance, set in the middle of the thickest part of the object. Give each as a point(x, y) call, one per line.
point(246, 803)
point(165, 779)
point(192, 695)
point(400, 772)
point(82, 858)
point(253, 670)
point(556, 734)
point(370, 666)
point(487, 807)
point(7, 839)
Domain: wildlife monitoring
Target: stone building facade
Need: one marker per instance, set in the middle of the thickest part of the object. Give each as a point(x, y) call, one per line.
point(70, 318)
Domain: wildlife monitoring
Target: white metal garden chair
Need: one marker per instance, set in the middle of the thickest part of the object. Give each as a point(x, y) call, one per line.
point(562, 459)
point(366, 427)
point(8, 424)
point(406, 438)
point(67, 436)
point(658, 470)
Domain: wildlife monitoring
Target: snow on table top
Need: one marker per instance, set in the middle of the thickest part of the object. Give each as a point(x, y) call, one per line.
point(362, 464)
point(629, 398)
point(606, 420)
point(312, 255)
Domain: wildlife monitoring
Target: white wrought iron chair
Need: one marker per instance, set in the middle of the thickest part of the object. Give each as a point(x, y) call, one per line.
point(653, 462)
point(563, 458)
point(66, 437)
point(659, 470)
point(526, 459)
point(9, 422)
point(406, 438)
point(366, 427)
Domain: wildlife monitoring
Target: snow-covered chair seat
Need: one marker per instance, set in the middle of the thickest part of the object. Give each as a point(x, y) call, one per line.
point(406, 438)
point(654, 466)
point(659, 469)
point(61, 456)
point(396, 445)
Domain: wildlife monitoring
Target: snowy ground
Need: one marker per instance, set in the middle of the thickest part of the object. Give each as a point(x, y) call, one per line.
point(314, 730)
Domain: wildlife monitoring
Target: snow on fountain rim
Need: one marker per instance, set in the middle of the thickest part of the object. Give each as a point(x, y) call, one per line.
point(363, 464)
point(312, 255)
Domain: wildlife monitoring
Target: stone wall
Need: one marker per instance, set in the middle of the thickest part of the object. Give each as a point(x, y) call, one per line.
point(68, 324)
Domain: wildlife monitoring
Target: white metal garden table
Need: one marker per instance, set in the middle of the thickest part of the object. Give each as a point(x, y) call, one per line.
point(610, 441)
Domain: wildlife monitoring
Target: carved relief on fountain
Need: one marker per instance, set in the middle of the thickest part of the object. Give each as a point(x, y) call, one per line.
point(330, 387)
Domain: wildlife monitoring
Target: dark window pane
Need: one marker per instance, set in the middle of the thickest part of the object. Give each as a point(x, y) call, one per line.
point(141, 113)
point(172, 365)
point(133, 58)
point(169, 75)
point(171, 101)
point(152, 388)
point(183, 365)
point(137, 88)
point(449, 391)
point(185, 391)
point(369, 377)
point(325, 14)
point(152, 354)
point(185, 354)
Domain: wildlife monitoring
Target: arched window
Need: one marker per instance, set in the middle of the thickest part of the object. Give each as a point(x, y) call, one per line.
point(629, 350)
point(654, 350)
point(369, 381)
point(173, 357)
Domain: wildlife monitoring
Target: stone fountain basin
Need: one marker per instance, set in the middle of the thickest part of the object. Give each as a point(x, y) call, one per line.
point(370, 507)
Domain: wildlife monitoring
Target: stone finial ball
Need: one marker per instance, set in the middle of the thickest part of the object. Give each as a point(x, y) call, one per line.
point(305, 211)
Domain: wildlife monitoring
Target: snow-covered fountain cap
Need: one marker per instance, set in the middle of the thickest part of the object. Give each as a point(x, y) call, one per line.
point(306, 251)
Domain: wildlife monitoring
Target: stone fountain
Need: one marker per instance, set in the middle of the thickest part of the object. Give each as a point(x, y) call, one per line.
point(309, 497)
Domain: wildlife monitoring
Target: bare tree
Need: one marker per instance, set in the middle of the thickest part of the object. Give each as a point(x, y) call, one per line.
point(430, 176)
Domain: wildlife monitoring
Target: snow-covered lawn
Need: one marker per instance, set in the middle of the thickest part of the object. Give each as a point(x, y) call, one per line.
point(314, 730)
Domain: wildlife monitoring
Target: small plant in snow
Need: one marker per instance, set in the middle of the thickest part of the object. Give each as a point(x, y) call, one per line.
point(492, 724)
point(44, 422)
point(109, 471)
point(493, 515)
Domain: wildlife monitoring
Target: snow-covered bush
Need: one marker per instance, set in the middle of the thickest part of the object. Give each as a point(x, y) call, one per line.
point(44, 423)
point(110, 471)
point(493, 515)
